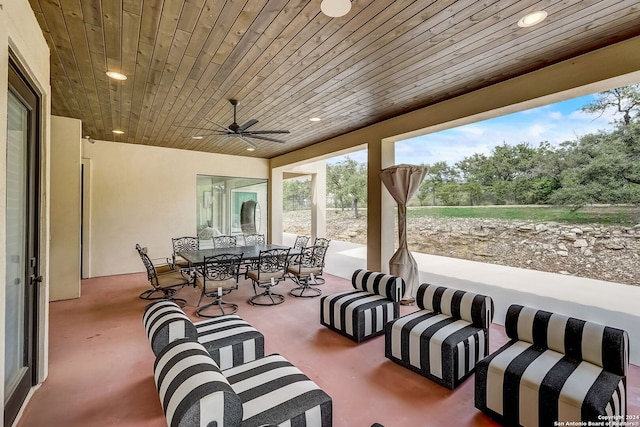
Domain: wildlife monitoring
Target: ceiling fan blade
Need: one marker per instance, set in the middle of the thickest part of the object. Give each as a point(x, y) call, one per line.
point(219, 125)
point(266, 132)
point(192, 127)
point(247, 125)
point(211, 132)
point(265, 138)
point(251, 143)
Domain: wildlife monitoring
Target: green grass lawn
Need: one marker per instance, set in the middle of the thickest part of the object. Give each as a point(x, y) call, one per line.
point(605, 215)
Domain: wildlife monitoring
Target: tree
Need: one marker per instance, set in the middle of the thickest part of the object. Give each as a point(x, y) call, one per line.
point(508, 174)
point(438, 174)
point(625, 100)
point(296, 194)
point(604, 167)
point(347, 183)
point(450, 193)
point(601, 168)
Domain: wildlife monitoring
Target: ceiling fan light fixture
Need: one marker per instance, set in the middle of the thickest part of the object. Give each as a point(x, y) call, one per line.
point(533, 18)
point(335, 8)
point(116, 76)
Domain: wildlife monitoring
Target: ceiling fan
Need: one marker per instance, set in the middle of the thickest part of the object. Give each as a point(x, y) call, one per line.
point(242, 132)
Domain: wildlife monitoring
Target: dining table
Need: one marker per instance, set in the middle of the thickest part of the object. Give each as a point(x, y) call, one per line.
point(249, 253)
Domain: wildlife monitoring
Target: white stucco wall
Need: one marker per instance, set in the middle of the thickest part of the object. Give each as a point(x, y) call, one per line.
point(147, 195)
point(20, 34)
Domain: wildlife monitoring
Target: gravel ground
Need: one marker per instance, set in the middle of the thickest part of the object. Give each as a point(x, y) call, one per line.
point(610, 253)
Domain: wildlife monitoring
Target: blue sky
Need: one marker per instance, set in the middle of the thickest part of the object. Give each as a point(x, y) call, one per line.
point(554, 123)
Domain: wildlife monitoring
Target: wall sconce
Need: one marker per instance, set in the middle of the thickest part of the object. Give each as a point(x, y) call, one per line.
point(335, 8)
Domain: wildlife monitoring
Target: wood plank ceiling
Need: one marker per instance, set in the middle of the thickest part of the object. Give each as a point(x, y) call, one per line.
point(286, 62)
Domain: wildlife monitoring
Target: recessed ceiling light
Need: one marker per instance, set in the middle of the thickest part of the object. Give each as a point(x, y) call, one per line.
point(197, 137)
point(251, 149)
point(335, 8)
point(315, 119)
point(116, 76)
point(117, 131)
point(532, 19)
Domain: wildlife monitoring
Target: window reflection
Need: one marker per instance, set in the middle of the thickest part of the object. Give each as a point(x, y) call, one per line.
point(230, 206)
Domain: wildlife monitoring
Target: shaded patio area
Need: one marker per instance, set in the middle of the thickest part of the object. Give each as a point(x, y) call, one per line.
point(101, 364)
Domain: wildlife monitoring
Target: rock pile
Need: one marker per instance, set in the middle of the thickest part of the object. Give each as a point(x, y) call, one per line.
point(606, 253)
point(610, 253)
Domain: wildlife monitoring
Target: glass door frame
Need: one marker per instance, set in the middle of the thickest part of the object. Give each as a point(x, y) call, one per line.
point(25, 91)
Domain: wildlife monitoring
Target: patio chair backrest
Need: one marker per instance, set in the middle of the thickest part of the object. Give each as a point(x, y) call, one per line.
point(386, 285)
point(221, 267)
point(152, 275)
point(185, 243)
point(272, 261)
point(301, 242)
point(224, 242)
point(580, 340)
point(457, 303)
point(254, 239)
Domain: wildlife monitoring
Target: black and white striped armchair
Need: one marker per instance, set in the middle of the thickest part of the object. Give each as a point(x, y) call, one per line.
point(556, 370)
point(269, 391)
point(445, 339)
point(361, 313)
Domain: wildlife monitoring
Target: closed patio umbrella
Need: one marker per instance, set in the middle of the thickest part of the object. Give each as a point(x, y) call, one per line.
point(403, 181)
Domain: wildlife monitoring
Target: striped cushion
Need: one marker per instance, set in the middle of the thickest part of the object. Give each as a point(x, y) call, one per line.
point(192, 389)
point(445, 339)
point(164, 322)
point(357, 315)
point(474, 308)
point(230, 340)
point(390, 287)
point(522, 384)
point(274, 392)
point(598, 344)
point(555, 368)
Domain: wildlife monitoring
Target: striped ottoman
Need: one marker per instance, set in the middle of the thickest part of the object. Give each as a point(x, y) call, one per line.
point(361, 314)
point(229, 339)
point(556, 370)
point(274, 392)
point(265, 392)
point(444, 340)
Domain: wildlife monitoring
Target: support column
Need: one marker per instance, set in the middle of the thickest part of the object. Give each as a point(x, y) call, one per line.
point(319, 202)
point(64, 271)
point(380, 208)
point(274, 230)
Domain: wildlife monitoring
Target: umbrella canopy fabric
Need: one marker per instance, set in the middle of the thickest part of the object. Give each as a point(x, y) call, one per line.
point(403, 181)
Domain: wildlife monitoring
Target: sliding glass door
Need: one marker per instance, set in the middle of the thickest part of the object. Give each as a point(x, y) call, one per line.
point(22, 233)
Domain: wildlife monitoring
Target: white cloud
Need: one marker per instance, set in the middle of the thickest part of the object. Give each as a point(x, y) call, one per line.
point(556, 123)
point(472, 129)
point(537, 131)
